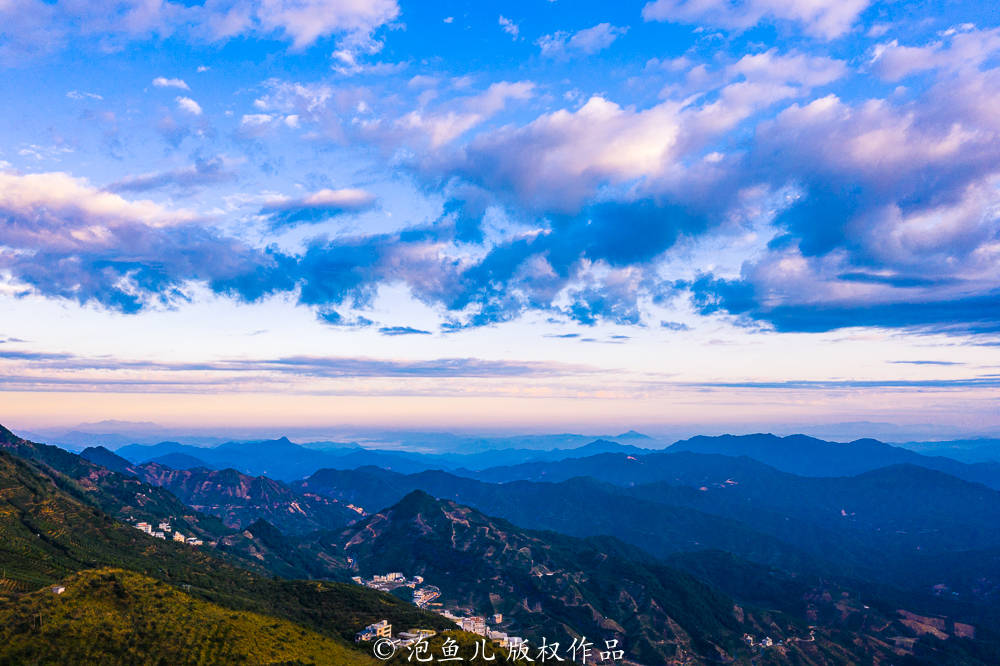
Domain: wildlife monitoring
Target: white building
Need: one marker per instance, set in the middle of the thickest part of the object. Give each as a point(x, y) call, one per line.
point(475, 625)
point(381, 629)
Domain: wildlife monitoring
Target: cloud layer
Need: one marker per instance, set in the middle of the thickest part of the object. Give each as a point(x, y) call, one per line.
point(858, 188)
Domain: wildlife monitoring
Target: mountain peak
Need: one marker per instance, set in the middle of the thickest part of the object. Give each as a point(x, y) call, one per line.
point(7, 436)
point(416, 502)
point(632, 434)
point(105, 458)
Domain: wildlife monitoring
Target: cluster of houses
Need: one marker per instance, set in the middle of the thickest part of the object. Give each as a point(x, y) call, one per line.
point(388, 582)
point(163, 530)
point(752, 641)
point(767, 641)
point(485, 627)
point(383, 629)
point(424, 596)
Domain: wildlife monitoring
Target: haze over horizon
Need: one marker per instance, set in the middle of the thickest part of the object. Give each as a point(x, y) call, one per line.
point(537, 218)
point(439, 439)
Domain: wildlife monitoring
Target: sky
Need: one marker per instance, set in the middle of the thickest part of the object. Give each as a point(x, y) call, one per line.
point(553, 215)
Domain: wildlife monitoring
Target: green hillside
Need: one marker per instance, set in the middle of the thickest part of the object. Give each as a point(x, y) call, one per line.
point(112, 616)
point(47, 534)
point(120, 495)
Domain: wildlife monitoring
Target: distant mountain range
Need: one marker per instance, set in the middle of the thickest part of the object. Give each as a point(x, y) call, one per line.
point(281, 459)
point(963, 450)
point(881, 525)
point(677, 554)
point(807, 456)
point(114, 435)
point(796, 454)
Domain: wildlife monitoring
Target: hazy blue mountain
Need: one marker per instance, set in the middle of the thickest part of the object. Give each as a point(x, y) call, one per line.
point(884, 524)
point(964, 450)
point(140, 453)
point(179, 461)
point(285, 460)
point(632, 435)
point(809, 456)
point(105, 458)
point(280, 458)
point(487, 459)
point(797, 454)
point(579, 507)
point(454, 443)
point(627, 469)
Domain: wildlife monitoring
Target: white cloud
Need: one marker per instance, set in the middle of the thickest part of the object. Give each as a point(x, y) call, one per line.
point(798, 68)
point(509, 27)
point(71, 240)
point(587, 41)
point(305, 21)
point(962, 49)
point(255, 122)
point(30, 27)
point(79, 212)
point(78, 94)
point(443, 127)
point(349, 198)
point(189, 105)
point(562, 158)
point(163, 82)
point(825, 19)
point(559, 158)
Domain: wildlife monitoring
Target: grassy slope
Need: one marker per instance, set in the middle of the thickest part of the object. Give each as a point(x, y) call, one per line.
point(112, 616)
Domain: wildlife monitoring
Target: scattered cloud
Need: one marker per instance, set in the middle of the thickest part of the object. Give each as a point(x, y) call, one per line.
point(29, 28)
point(328, 367)
point(823, 19)
point(584, 42)
point(78, 94)
point(203, 172)
point(66, 239)
point(943, 363)
point(305, 21)
point(509, 27)
point(402, 330)
point(163, 82)
point(318, 206)
point(189, 105)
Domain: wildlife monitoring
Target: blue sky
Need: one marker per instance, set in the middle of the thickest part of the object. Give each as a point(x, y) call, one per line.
point(536, 214)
